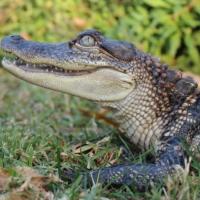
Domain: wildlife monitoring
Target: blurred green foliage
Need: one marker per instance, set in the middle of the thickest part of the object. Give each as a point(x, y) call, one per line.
point(169, 29)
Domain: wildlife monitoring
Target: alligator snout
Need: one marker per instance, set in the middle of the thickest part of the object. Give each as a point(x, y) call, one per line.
point(9, 43)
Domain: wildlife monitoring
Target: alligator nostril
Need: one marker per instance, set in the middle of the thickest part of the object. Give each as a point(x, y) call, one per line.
point(16, 37)
point(8, 43)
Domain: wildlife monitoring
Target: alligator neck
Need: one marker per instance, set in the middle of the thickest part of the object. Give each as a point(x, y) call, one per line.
point(142, 115)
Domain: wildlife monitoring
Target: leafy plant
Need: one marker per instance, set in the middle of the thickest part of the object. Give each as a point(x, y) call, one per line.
point(166, 28)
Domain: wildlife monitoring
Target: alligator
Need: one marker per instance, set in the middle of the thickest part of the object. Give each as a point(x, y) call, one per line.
point(153, 105)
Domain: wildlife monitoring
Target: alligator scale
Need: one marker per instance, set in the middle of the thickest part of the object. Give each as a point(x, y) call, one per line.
point(153, 105)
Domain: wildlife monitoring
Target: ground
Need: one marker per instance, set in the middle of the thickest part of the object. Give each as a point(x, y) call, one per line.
point(46, 131)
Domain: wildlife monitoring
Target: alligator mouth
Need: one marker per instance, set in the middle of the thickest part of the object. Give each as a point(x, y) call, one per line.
point(98, 83)
point(42, 67)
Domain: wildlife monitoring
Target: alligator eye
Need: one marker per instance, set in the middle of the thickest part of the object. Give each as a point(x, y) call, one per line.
point(87, 41)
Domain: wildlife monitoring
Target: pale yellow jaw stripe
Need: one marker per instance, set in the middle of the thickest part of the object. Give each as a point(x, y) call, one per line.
point(102, 85)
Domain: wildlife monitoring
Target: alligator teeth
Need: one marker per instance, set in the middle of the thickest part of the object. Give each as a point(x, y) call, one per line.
point(45, 68)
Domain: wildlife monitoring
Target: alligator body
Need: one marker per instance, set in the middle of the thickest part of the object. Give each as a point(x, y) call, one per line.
point(153, 105)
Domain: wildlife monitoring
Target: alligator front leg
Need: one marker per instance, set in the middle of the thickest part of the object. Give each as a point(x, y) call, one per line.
point(170, 157)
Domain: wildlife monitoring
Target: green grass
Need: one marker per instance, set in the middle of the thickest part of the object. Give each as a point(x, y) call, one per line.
point(40, 128)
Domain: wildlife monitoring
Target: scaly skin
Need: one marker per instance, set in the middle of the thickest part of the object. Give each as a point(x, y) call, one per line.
point(154, 106)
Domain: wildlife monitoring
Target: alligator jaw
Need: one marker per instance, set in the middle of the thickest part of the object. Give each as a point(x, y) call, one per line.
point(41, 68)
point(98, 84)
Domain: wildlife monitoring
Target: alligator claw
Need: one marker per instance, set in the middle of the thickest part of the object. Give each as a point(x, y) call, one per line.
point(68, 175)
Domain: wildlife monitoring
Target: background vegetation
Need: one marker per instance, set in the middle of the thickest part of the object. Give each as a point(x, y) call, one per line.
point(166, 28)
point(47, 131)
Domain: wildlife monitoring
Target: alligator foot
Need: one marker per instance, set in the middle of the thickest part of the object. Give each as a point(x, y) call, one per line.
point(143, 176)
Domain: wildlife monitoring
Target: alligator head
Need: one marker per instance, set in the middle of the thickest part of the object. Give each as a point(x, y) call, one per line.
point(90, 66)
